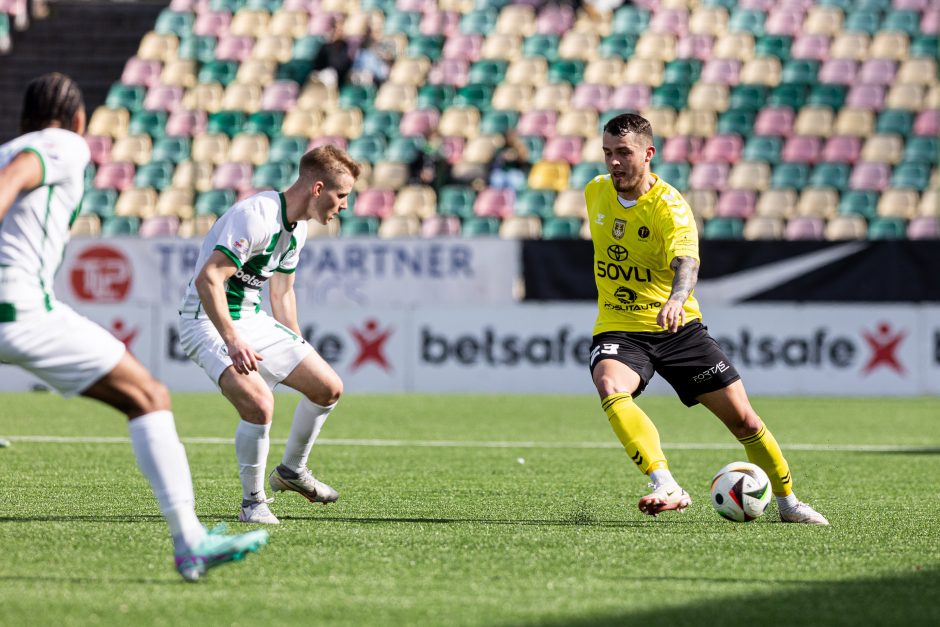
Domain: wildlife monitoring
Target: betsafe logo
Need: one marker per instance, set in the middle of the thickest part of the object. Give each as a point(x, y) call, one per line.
point(101, 274)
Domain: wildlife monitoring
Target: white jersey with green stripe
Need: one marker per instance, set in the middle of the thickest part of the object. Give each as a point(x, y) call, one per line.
point(35, 229)
point(255, 234)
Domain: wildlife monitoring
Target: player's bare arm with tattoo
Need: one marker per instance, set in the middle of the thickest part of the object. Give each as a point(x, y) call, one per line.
point(672, 315)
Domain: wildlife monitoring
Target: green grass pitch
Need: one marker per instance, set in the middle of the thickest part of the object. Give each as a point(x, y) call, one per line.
point(478, 510)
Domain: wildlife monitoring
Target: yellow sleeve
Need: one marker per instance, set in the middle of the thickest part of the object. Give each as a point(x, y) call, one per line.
point(680, 235)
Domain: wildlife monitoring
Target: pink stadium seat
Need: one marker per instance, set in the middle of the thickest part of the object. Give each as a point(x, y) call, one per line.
point(494, 203)
point(233, 48)
point(445, 23)
point(810, 46)
point(159, 226)
point(801, 149)
point(100, 148)
point(784, 21)
point(757, 5)
point(438, 226)
point(709, 176)
point(774, 121)
point(723, 149)
point(681, 148)
point(924, 227)
point(454, 72)
point(721, 71)
point(736, 203)
point(838, 72)
point(694, 47)
point(930, 22)
point(163, 98)
point(308, 6)
point(463, 46)
point(375, 202)
point(321, 22)
point(594, 97)
point(541, 123)
point(139, 71)
point(452, 148)
point(554, 20)
point(805, 227)
point(866, 96)
point(232, 175)
point(279, 96)
point(842, 149)
point(211, 23)
point(117, 175)
point(419, 6)
point(911, 5)
point(182, 6)
point(877, 72)
point(563, 148)
point(673, 21)
point(419, 122)
point(328, 140)
point(630, 96)
point(927, 123)
point(186, 123)
point(868, 175)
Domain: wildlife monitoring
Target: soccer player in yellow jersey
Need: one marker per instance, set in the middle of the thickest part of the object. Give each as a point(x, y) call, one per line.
point(646, 266)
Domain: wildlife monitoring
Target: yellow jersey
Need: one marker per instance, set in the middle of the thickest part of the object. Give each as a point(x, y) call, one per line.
point(633, 247)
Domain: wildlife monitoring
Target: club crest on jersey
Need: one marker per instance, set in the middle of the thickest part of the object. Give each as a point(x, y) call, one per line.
point(241, 245)
point(643, 232)
point(619, 226)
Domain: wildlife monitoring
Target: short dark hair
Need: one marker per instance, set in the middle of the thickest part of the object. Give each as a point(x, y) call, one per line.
point(50, 98)
point(329, 162)
point(624, 123)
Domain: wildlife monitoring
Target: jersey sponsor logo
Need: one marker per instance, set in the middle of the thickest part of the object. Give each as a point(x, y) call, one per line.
point(101, 274)
point(249, 280)
point(241, 245)
point(599, 219)
point(643, 232)
point(615, 272)
point(710, 373)
point(619, 226)
point(371, 343)
point(625, 295)
point(617, 252)
point(632, 307)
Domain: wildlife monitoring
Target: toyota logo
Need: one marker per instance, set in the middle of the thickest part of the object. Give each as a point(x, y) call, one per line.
point(617, 252)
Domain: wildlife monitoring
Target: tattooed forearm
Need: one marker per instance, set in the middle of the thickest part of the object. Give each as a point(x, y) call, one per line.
point(686, 269)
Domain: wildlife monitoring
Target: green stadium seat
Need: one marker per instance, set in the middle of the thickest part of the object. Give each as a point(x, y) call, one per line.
point(172, 149)
point(824, 95)
point(297, 70)
point(566, 71)
point(174, 23)
point(435, 97)
point(456, 200)
point(835, 175)
point(800, 71)
point(156, 174)
point(215, 201)
point(89, 175)
point(859, 202)
point(480, 227)
point(352, 226)
point(911, 175)
point(791, 95)
point(682, 71)
point(478, 22)
point(265, 122)
point(542, 46)
point(773, 46)
point(535, 202)
point(216, 71)
point(727, 4)
point(381, 123)
point(630, 20)
point(306, 47)
point(887, 228)
point(148, 122)
point(200, 48)
point(385, 6)
point(561, 228)
point(534, 146)
point(922, 149)
point(790, 175)
point(404, 149)
point(723, 228)
point(616, 45)
point(872, 5)
point(582, 173)
point(677, 174)
point(429, 46)
point(130, 97)
point(476, 95)
point(747, 97)
point(367, 148)
point(406, 22)
point(357, 96)
point(747, 21)
point(226, 122)
point(228, 6)
point(862, 21)
point(488, 72)
point(498, 122)
point(264, 5)
point(905, 21)
point(99, 202)
point(736, 122)
point(762, 148)
point(845, 5)
point(277, 175)
point(895, 122)
point(492, 4)
point(286, 148)
point(120, 225)
point(672, 95)
point(924, 46)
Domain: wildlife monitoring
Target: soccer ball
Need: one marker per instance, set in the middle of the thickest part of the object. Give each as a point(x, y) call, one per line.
point(740, 491)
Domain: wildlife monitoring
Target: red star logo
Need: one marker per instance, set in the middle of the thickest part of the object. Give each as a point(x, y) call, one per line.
point(371, 341)
point(122, 333)
point(883, 345)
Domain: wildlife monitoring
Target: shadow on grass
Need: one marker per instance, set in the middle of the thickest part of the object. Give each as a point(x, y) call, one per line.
point(91, 518)
point(572, 521)
point(94, 581)
point(908, 600)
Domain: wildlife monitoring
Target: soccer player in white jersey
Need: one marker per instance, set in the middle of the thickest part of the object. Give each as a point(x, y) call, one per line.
point(41, 187)
point(247, 352)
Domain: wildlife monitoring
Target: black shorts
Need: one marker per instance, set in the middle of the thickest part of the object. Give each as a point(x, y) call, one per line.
point(689, 359)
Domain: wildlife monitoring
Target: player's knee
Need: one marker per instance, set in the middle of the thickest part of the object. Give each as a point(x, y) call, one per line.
point(258, 409)
point(608, 385)
point(330, 393)
point(745, 425)
point(149, 396)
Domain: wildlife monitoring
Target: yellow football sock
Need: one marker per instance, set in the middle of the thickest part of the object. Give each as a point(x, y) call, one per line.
point(763, 450)
point(636, 432)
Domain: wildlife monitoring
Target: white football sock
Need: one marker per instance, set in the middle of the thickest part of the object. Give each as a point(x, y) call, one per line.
point(787, 502)
point(251, 449)
point(662, 478)
point(162, 459)
point(308, 420)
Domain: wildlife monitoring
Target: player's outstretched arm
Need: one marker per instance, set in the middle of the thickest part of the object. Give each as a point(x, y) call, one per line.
point(672, 315)
point(210, 285)
point(23, 173)
point(284, 301)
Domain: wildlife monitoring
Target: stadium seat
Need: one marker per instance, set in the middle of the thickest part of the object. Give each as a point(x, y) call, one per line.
point(924, 227)
point(723, 228)
point(99, 202)
point(790, 175)
point(520, 227)
point(818, 202)
point(736, 204)
point(570, 203)
point(117, 175)
point(846, 227)
point(911, 175)
point(456, 200)
point(823, 95)
point(416, 200)
point(749, 175)
point(887, 228)
point(859, 203)
point(898, 203)
point(278, 175)
point(120, 226)
point(156, 174)
point(842, 149)
point(398, 227)
point(835, 175)
point(884, 148)
point(136, 149)
point(358, 226)
point(805, 228)
point(922, 149)
point(561, 228)
point(236, 176)
point(777, 203)
point(440, 226)
point(676, 174)
point(480, 227)
point(870, 176)
point(762, 148)
point(214, 202)
point(763, 228)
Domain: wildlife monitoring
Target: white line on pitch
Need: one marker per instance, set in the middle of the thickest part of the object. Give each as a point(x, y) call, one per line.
point(703, 446)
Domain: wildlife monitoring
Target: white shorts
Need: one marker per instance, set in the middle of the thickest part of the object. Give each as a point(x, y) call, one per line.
point(282, 349)
point(66, 350)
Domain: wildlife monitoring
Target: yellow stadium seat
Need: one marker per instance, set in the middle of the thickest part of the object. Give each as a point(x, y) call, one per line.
point(889, 45)
point(856, 122)
point(395, 97)
point(527, 71)
point(241, 97)
point(663, 120)
point(482, 149)
point(898, 203)
point(509, 97)
point(850, 45)
point(158, 47)
point(818, 202)
point(709, 97)
point(749, 175)
point(702, 201)
point(815, 121)
point(657, 46)
point(578, 45)
point(175, 201)
point(776, 203)
point(696, 123)
point(249, 23)
point(202, 224)
point(460, 122)
point(196, 175)
point(905, 96)
point(644, 72)
point(823, 20)
point(604, 72)
point(256, 72)
point(204, 97)
point(569, 203)
point(761, 71)
point(520, 227)
point(409, 71)
point(133, 148)
point(577, 122)
point(139, 202)
point(847, 227)
point(86, 225)
point(551, 175)
point(317, 230)
point(389, 175)
point(286, 23)
point(502, 46)
point(302, 123)
point(883, 148)
point(249, 147)
point(396, 227)
point(517, 20)
point(593, 148)
point(416, 200)
point(920, 71)
point(761, 228)
point(180, 72)
point(278, 48)
point(317, 96)
point(110, 122)
point(734, 45)
point(552, 97)
point(708, 20)
point(210, 148)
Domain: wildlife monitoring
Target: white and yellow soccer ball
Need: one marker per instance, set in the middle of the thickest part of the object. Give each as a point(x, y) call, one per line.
point(740, 491)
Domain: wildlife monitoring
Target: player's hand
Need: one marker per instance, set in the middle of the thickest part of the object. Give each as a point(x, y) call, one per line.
point(672, 316)
point(243, 357)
